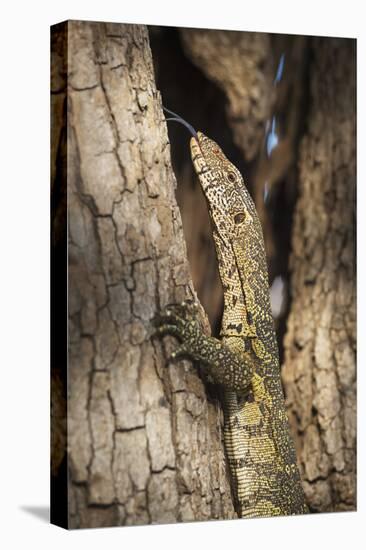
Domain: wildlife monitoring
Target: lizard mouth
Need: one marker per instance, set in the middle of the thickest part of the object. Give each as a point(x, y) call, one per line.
point(198, 159)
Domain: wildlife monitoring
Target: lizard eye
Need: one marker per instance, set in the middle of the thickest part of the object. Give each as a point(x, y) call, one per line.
point(231, 177)
point(239, 218)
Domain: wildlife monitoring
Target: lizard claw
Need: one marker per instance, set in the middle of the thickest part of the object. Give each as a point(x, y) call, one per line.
point(187, 309)
point(179, 353)
point(178, 320)
point(164, 329)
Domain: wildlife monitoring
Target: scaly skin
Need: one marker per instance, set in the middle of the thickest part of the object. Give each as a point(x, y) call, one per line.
point(244, 363)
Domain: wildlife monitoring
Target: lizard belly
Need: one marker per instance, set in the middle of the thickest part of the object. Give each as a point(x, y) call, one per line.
point(258, 491)
point(265, 478)
point(252, 459)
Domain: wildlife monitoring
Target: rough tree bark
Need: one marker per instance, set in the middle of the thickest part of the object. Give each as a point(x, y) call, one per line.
point(320, 345)
point(144, 439)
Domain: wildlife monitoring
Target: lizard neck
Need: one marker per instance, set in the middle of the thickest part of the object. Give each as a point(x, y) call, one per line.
point(235, 320)
point(244, 277)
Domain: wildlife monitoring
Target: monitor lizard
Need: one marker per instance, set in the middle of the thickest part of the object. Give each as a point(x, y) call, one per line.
point(244, 362)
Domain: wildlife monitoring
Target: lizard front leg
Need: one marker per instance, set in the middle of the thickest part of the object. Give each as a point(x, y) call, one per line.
point(228, 369)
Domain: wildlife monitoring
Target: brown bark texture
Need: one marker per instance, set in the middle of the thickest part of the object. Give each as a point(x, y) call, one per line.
point(143, 437)
point(320, 345)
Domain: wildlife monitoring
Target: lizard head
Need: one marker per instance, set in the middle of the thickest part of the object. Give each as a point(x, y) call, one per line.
point(231, 207)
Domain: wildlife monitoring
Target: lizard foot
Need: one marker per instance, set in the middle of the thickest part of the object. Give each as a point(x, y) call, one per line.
point(179, 320)
point(221, 364)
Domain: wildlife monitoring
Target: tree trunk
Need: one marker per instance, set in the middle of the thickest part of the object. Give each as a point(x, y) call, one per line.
point(144, 438)
point(320, 345)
